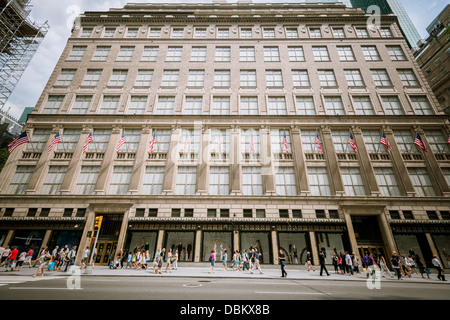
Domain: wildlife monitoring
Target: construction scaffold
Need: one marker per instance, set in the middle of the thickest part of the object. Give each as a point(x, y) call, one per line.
point(19, 40)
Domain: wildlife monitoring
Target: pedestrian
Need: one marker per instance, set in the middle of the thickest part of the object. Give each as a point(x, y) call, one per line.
point(322, 263)
point(44, 260)
point(421, 265)
point(224, 259)
point(85, 257)
point(335, 261)
point(61, 259)
point(10, 262)
point(234, 261)
point(120, 257)
point(412, 264)
point(340, 263)
point(5, 255)
point(28, 257)
point(156, 260)
point(438, 266)
point(257, 264)
point(355, 263)
point(245, 260)
point(129, 260)
point(20, 261)
point(169, 260)
point(405, 265)
point(383, 266)
point(344, 263)
point(349, 263)
point(309, 262)
point(212, 260)
point(2, 249)
point(160, 263)
point(370, 266)
point(175, 260)
point(282, 259)
point(70, 257)
point(251, 260)
point(395, 260)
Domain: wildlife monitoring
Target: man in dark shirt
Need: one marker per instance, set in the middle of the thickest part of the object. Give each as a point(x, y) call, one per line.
point(322, 263)
point(282, 259)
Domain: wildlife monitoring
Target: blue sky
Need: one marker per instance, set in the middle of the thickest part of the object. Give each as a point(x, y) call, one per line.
point(60, 15)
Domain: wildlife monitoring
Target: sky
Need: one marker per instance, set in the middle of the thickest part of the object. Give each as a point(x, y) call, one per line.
point(61, 13)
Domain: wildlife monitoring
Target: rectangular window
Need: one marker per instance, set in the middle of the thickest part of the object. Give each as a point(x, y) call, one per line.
point(319, 184)
point(223, 54)
point(186, 181)
point(370, 53)
point(54, 179)
point(66, 77)
point(125, 53)
point(144, 78)
point(109, 105)
point(223, 33)
point(334, 106)
point(327, 78)
point(363, 106)
point(352, 180)
point(338, 33)
point(252, 181)
point(246, 54)
point(222, 78)
point(20, 180)
point(163, 140)
point(396, 53)
point(315, 33)
point(249, 106)
point(320, 54)
point(248, 78)
point(305, 106)
point(196, 78)
point(296, 53)
point(277, 106)
point(220, 141)
point(133, 137)
point(154, 33)
point(300, 78)
point(198, 54)
point(421, 182)
point(53, 104)
point(189, 141)
point(421, 105)
point(38, 140)
point(437, 141)
point(291, 33)
point(408, 78)
point(362, 33)
point(346, 53)
point(387, 182)
point(86, 32)
point(70, 139)
point(138, 104)
point(250, 141)
point(404, 140)
point(120, 180)
point(153, 180)
point(87, 180)
point(101, 53)
point(340, 141)
point(274, 78)
point(385, 33)
point(101, 140)
point(150, 54)
point(285, 181)
point(354, 78)
point(177, 33)
point(109, 33)
point(174, 54)
point(170, 78)
point(372, 141)
point(77, 53)
point(392, 105)
point(221, 106)
point(200, 33)
point(277, 137)
point(193, 106)
point(269, 33)
point(118, 78)
point(246, 33)
point(165, 105)
point(92, 77)
point(219, 181)
point(309, 141)
point(271, 54)
point(381, 78)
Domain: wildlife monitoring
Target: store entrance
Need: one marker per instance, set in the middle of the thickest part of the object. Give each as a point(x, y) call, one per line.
point(105, 252)
point(376, 251)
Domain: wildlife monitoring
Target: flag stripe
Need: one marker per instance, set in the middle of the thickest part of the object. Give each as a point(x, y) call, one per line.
point(21, 139)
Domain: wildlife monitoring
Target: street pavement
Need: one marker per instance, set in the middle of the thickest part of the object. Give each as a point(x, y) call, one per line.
point(202, 270)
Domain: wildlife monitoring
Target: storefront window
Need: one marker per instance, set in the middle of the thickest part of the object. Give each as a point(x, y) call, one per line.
point(443, 246)
point(295, 246)
point(219, 241)
point(183, 242)
point(144, 241)
point(331, 242)
point(25, 240)
point(62, 238)
point(407, 244)
point(260, 240)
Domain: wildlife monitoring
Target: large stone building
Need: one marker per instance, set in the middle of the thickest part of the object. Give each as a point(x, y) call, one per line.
point(236, 96)
point(434, 58)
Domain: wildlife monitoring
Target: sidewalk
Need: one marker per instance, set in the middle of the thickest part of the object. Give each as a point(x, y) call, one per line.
point(201, 270)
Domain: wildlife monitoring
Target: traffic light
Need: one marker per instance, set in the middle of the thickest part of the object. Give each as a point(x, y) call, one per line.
point(98, 223)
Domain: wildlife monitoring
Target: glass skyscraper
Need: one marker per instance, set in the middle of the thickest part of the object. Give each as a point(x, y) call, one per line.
point(394, 6)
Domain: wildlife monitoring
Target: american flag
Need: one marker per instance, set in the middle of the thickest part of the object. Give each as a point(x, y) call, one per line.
point(448, 139)
point(56, 139)
point(386, 142)
point(253, 146)
point(88, 140)
point(218, 144)
point(419, 142)
point(121, 141)
point(353, 143)
point(286, 144)
point(318, 142)
point(152, 143)
point(186, 144)
point(21, 139)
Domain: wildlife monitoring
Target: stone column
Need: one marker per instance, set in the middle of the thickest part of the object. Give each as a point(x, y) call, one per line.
point(351, 234)
point(85, 241)
point(235, 168)
point(139, 164)
point(198, 246)
point(202, 168)
point(236, 240)
point(300, 170)
point(108, 160)
point(8, 238)
point(123, 232)
point(159, 242)
point(275, 248)
point(386, 232)
point(314, 249)
point(334, 173)
point(266, 162)
point(171, 162)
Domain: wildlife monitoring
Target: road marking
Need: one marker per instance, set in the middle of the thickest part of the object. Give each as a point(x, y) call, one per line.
point(274, 292)
point(42, 288)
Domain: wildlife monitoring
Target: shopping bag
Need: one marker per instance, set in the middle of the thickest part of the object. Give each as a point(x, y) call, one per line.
point(51, 266)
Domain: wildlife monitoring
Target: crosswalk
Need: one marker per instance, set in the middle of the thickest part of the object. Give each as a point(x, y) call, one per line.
point(11, 280)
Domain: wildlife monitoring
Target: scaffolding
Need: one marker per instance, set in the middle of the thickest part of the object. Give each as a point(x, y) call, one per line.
point(19, 40)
